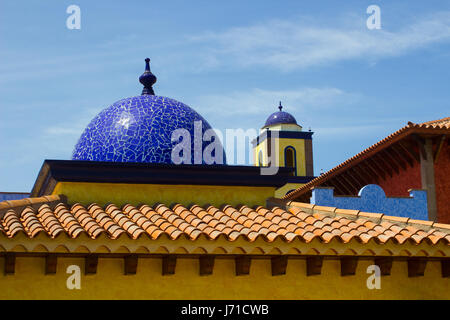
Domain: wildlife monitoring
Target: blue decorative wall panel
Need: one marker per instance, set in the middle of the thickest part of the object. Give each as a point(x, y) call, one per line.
point(372, 198)
point(13, 196)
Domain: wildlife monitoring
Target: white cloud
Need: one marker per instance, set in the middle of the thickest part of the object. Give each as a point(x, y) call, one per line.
point(257, 101)
point(64, 131)
point(332, 132)
point(284, 45)
point(73, 128)
point(290, 45)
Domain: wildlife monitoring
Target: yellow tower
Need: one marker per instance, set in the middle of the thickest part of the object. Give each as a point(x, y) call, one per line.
point(283, 143)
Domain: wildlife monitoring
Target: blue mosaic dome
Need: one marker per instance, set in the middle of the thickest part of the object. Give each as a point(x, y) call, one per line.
point(280, 117)
point(139, 129)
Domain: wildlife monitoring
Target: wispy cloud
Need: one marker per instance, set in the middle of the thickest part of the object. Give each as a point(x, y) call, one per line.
point(70, 129)
point(333, 132)
point(257, 101)
point(62, 131)
point(290, 45)
point(283, 45)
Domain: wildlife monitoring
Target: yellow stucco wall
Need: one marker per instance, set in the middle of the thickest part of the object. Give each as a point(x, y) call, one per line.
point(281, 144)
point(263, 148)
point(299, 146)
point(120, 194)
point(281, 192)
point(29, 281)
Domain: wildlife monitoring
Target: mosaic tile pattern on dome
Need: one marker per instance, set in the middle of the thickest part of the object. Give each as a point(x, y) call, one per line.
point(280, 117)
point(138, 129)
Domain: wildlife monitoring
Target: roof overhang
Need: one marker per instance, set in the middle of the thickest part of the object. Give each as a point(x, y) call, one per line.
point(412, 131)
point(54, 171)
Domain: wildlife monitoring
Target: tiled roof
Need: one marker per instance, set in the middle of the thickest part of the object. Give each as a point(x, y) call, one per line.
point(441, 126)
point(441, 122)
point(299, 222)
point(364, 226)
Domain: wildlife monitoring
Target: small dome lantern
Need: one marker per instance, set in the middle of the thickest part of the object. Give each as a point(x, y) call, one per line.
point(280, 117)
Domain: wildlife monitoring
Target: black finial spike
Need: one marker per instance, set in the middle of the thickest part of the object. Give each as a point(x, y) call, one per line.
point(148, 79)
point(280, 106)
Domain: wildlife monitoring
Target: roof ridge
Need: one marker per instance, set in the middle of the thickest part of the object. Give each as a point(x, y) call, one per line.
point(32, 201)
point(410, 126)
point(372, 216)
point(437, 121)
point(297, 226)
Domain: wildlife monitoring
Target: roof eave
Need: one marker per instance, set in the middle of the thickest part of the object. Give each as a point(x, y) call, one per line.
point(400, 134)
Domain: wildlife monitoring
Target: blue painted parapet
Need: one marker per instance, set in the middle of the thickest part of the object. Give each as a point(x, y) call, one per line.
point(13, 196)
point(372, 198)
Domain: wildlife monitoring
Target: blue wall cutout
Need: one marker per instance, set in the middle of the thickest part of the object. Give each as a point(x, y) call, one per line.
point(372, 198)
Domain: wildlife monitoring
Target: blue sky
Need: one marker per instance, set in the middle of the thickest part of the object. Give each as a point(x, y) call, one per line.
point(232, 61)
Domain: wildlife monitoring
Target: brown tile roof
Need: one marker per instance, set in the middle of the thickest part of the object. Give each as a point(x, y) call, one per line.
point(299, 222)
point(441, 126)
point(441, 122)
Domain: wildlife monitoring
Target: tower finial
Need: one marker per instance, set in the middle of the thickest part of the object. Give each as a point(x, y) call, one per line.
point(280, 106)
point(148, 79)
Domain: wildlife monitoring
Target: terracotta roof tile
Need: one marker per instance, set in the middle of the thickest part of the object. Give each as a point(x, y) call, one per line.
point(442, 226)
point(322, 223)
point(444, 122)
point(370, 215)
point(420, 222)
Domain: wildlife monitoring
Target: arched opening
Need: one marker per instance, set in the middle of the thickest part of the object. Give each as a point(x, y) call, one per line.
point(290, 159)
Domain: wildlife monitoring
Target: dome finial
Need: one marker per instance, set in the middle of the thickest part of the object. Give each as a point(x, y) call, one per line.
point(280, 117)
point(148, 79)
